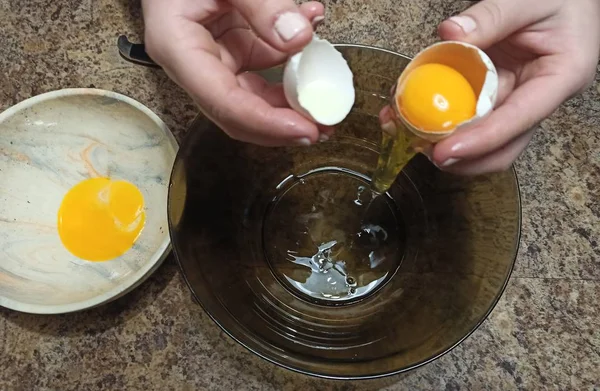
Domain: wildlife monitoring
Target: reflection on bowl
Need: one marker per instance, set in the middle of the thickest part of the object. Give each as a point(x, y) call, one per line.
point(289, 253)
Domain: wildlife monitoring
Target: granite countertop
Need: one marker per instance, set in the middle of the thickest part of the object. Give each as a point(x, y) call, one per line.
point(544, 333)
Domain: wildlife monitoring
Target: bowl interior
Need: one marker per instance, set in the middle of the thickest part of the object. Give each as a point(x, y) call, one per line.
point(251, 227)
point(48, 144)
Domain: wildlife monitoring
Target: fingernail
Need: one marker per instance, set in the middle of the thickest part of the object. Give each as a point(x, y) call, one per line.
point(466, 23)
point(429, 157)
point(323, 137)
point(427, 151)
point(290, 24)
point(449, 162)
point(385, 115)
point(317, 20)
point(303, 142)
point(456, 147)
point(389, 128)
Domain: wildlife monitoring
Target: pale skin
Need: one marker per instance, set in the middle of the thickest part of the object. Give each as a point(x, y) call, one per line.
point(206, 46)
point(545, 51)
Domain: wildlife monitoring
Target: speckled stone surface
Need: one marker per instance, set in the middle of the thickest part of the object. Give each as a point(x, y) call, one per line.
point(544, 333)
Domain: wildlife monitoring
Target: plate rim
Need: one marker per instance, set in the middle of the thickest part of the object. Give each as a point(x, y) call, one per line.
point(155, 260)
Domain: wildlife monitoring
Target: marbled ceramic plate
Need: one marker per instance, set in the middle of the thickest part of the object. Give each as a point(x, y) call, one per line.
point(48, 144)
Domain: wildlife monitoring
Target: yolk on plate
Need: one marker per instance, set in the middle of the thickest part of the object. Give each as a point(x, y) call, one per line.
point(99, 219)
point(436, 98)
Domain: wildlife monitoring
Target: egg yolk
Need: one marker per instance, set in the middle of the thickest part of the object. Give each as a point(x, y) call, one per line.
point(99, 219)
point(436, 98)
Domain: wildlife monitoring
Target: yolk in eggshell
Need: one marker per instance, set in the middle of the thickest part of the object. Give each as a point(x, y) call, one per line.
point(436, 98)
point(100, 219)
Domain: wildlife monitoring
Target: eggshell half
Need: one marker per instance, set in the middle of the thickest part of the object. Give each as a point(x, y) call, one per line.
point(318, 83)
point(468, 60)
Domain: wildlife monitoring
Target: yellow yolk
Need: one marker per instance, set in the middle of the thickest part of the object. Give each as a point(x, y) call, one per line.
point(436, 98)
point(100, 219)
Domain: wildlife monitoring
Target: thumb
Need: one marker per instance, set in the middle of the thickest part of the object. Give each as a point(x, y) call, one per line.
point(280, 23)
point(490, 21)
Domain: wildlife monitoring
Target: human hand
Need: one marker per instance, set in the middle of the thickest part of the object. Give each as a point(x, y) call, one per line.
point(545, 52)
point(206, 47)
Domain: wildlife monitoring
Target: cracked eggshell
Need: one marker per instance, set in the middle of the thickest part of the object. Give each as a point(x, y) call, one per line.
point(318, 83)
point(468, 60)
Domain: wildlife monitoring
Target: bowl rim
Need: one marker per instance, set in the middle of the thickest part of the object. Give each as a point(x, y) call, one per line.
point(256, 348)
point(154, 261)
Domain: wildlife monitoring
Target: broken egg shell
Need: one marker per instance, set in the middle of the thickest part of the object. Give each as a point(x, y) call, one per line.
point(468, 60)
point(318, 83)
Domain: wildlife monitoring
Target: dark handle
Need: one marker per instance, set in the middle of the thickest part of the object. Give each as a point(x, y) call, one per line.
point(134, 52)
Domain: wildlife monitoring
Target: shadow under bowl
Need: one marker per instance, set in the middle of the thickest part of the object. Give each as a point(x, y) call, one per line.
point(276, 244)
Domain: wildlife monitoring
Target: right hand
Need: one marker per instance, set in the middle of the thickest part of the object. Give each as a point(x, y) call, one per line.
point(545, 52)
point(207, 46)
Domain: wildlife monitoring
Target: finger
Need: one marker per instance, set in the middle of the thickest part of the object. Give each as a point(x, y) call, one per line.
point(271, 93)
point(278, 22)
point(240, 113)
point(314, 11)
point(506, 84)
point(258, 113)
point(386, 121)
point(526, 106)
point(490, 21)
point(497, 161)
point(205, 11)
point(158, 19)
point(274, 95)
point(244, 50)
point(327, 130)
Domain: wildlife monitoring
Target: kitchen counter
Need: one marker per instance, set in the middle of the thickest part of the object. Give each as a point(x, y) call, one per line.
point(543, 334)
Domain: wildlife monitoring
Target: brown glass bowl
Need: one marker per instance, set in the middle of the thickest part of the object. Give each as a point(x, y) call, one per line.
point(246, 224)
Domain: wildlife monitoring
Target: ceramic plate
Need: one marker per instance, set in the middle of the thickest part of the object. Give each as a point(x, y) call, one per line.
point(48, 144)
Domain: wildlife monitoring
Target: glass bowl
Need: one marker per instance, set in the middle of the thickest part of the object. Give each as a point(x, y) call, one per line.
point(289, 253)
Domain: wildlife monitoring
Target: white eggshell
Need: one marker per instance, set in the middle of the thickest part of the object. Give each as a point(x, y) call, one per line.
point(468, 60)
point(318, 83)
